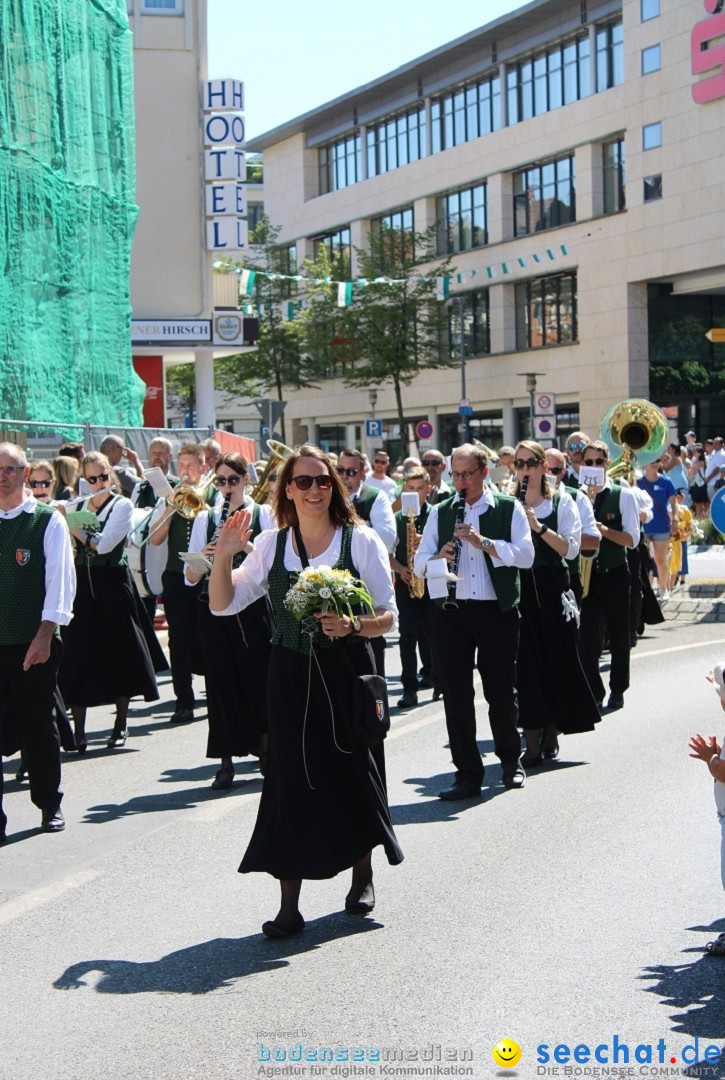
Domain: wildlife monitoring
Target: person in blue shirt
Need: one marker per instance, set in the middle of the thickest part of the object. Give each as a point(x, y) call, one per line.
point(662, 526)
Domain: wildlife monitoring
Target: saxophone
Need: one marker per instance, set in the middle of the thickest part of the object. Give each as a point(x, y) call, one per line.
point(416, 585)
point(451, 602)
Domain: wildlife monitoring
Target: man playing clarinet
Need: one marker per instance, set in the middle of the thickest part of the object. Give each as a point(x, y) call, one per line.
point(478, 625)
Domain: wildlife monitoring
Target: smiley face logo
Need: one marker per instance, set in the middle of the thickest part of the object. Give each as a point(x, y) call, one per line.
point(507, 1053)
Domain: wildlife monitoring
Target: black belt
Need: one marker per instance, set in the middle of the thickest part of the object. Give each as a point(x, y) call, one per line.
point(611, 569)
point(459, 601)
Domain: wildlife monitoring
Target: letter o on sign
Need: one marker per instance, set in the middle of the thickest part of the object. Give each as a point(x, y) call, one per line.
point(224, 128)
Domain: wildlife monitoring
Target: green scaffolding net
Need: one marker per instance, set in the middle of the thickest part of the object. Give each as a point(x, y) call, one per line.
point(67, 212)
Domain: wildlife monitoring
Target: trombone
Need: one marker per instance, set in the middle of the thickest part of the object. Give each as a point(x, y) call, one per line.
point(188, 500)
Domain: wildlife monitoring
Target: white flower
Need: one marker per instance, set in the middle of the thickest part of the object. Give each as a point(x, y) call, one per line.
point(325, 594)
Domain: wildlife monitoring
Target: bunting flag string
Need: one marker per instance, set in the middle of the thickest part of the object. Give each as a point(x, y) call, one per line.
point(345, 289)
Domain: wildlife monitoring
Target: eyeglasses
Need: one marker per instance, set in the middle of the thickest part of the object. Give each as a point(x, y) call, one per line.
point(556, 469)
point(8, 470)
point(432, 464)
point(220, 481)
point(467, 475)
point(595, 461)
point(39, 483)
point(104, 476)
point(304, 483)
point(527, 463)
point(574, 446)
point(347, 472)
point(379, 461)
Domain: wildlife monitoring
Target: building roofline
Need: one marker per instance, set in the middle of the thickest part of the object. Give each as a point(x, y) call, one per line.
point(370, 91)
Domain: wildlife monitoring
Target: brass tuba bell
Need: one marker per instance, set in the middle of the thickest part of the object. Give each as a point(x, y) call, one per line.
point(278, 452)
point(637, 431)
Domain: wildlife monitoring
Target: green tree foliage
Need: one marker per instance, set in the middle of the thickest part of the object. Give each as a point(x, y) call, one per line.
point(682, 360)
point(392, 331)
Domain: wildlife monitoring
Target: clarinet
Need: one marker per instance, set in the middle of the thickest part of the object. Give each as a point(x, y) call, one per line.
point(451, 602)
point(522, 492)
point(204, 591)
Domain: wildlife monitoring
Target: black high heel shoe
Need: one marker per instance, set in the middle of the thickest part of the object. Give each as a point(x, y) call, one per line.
point(118, 738)
point(354, 905)
point(81, 746)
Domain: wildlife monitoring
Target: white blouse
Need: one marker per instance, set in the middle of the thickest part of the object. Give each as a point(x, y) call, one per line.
point(568, 522)
point(118, 515)
point(198, 540)
point(368, 554)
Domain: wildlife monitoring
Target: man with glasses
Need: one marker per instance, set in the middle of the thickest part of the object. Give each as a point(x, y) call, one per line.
point(434, 464)
point(607, 604)
point(379, 476)
point(480, 625)
point(37, 586)
point(575, 449)
point(374, 507)
point(181, 606)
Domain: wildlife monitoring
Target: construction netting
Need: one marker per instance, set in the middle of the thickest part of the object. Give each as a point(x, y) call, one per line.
point(67, 212)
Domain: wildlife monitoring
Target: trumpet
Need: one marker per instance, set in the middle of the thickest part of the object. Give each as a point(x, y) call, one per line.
point(188, 501)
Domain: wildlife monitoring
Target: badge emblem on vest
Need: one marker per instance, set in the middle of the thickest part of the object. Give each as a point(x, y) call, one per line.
point(379, 709)
point(22, 556)
point(609, 517)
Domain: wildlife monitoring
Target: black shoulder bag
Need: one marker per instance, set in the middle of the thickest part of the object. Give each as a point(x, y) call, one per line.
point(368, 703)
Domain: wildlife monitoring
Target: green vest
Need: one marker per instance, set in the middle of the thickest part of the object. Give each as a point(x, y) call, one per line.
point(289, 631)
point(179, 540)
point(544, 555)
point(575, 565)
point(401, 524)
point(22, 559)
point(606, 511)
point(365, 499)
point(147, 497)
point(496, 524)
point(255, 528)
point(86, 556)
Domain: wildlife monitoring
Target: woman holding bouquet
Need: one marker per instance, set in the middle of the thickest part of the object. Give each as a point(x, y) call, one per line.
point(324, 803)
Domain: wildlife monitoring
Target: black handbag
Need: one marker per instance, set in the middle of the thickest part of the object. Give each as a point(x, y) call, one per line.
point(369, 708)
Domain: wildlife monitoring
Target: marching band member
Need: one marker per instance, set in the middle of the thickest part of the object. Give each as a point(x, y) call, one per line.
point(236, 649)
point(160, 455)
point(617, 516)
point(481, 624)
point(552, 697)
point(110, 652)
point(590, 535)
point(575, 445)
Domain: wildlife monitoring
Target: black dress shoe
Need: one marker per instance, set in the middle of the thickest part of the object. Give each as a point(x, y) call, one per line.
point(425, 683)
point(408, 701)
point(273, 928)
point(437, 694)
point(616, 701)
point(550, 753)
point(223, 779)
point(355, 906)
point(21, 775)
point(514, 778)
point(53, 820)
point(182, 716)
point(118, 738)
point(462, 789)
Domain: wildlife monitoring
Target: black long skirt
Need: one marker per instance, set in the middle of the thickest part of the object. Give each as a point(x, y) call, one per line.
point(236, 656)
point(552, 687)
point(324, 802)
point(110, 650)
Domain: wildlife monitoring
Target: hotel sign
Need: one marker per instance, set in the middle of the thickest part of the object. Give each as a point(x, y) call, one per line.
point(225, 328)
point(708, 54)
point(224, 165)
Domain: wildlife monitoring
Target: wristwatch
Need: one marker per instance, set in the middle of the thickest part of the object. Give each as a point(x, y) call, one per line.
point(355, 626)
point(486, 543)
point(543, 529)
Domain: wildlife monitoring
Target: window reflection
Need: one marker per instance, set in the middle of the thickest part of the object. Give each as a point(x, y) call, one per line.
point(544, 196)
point(546, 312)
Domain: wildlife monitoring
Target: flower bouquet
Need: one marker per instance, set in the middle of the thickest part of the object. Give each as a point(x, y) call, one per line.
point(320, 588)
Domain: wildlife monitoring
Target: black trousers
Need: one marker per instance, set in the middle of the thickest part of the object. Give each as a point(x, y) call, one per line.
point(607, 605)
point(378, 646)
point(635, 591)
point(414, 625)
point(477, 633)
point(182, 608)
point(31, 695)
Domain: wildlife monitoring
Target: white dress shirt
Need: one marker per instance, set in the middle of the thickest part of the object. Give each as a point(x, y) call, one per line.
point(568, 522)
point(60, 571)
point(198, 540)
point(645, 504)
point(382, 520)
point(475, 583)
point(586, 514)
point(368, 555)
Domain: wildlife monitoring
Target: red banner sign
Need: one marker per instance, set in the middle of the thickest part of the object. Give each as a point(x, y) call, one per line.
point(708, 54)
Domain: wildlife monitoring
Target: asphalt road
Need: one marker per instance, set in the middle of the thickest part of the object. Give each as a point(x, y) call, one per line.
point(568, 913)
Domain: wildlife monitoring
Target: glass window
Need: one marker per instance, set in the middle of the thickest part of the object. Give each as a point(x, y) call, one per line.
point(397, 233)
point(476, 331)
point(651, 136)
point(338, 248)
point(546, 311)
point(650, 9)
point(544, 196)
point(255, 211)
point(162, 7)
point(610, 56)
point(652, 188)
point(650, 59)
point(613, 163)
point(340, 163)
point(465, 114)
point(462, 220)
point(395, 142)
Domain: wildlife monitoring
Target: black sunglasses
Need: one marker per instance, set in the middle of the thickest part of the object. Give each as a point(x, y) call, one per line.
point(104, 476)
point(39, 483)
point(529, 463)
point(304, 483)
point(556, 469)
point(595, 461)
point(432, 464)
point(347, 472)
point(220, 481)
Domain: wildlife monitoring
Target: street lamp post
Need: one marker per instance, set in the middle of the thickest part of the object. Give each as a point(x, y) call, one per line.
point(530, 377)
point(373, 396)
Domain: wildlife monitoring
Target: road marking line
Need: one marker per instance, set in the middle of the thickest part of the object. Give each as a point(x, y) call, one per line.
point(37, 897)
point(679, 648)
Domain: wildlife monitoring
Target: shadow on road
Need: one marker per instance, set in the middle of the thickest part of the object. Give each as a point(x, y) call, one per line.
point(210, 965)
point(694, 990)
point(172, 800)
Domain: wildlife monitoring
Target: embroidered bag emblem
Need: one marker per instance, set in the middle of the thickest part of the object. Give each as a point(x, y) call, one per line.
point(379, 708)
point(22, 556)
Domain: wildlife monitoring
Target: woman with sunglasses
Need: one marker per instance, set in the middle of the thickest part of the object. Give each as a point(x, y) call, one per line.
point(324, 803)
point(236, 649)
point(41, 481)
point(110, 651)
point(554, 695)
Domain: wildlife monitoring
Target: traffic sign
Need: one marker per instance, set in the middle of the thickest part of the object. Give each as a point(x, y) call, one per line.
point(465, 410)
point(544, 404)
point(717, 334)
point(424, 429)
point(374, 429)
point(544, 427)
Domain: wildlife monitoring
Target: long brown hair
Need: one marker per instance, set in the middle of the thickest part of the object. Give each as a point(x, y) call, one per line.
point(341, 510)
point(538, 451)
point(95, 457)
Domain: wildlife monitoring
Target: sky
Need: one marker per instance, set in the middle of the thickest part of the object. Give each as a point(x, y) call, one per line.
point(293, 57)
